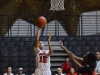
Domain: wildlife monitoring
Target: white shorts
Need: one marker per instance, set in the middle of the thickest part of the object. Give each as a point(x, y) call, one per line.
point(40, 71)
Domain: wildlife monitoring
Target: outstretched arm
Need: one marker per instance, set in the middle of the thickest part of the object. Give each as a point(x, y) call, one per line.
point(66, 50)
point(37, 41)
point(49, 44)
point(74, 60)
point(78, 59)
point(61, 45)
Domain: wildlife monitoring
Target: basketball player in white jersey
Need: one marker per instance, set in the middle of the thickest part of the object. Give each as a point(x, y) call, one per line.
point(42, 56)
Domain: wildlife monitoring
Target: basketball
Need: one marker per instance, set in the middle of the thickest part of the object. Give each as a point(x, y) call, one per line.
point(41, 21)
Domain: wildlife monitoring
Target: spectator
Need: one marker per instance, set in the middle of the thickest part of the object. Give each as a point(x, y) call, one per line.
point(66, 66)
point(9, 71)
point(72, 72)
point(20, 71)
point(97, 69)
point(59, 71)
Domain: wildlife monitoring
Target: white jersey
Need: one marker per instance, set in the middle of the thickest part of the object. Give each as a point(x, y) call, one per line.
point(42, 61)
point(97, 69)
point(7, 74)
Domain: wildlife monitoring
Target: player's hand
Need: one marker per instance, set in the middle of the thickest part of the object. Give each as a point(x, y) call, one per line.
point(49, 37)
point(39, 28)
point(61, 44)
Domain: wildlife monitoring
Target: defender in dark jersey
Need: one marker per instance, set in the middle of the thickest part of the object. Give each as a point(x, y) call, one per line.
point(86, 64)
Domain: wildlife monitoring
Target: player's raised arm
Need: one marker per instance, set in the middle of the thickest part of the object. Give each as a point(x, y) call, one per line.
point(67, 52)
point(37, 41)
point(61, 45)
point(49, 44)
point(72, 56)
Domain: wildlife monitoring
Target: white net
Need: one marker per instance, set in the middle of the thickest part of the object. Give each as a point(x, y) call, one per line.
point(57, 5)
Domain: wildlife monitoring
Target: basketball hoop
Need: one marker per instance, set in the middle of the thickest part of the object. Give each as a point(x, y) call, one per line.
point(57, 5)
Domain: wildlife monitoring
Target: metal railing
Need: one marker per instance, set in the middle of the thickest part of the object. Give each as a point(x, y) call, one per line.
point(25, 25)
